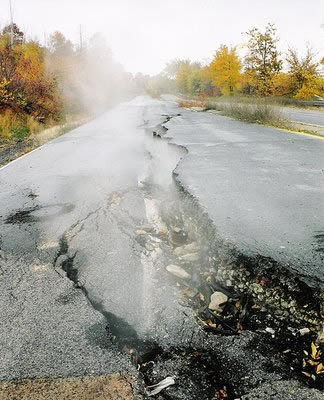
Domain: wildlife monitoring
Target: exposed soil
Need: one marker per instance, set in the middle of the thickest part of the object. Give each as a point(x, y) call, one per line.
point(94, 388)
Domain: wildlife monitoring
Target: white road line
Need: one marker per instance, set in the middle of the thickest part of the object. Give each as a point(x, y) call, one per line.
point(19, 158)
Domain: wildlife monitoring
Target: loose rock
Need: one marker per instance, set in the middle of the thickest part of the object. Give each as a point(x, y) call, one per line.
point(149, 247)
point(140, 232)
point(177, 237)
point(146, 228)
point(217, 299)
point(177, 271)
point(270, 330)
point(186, 249)
point(304, 331)
point(190, 257)
point(189, 292)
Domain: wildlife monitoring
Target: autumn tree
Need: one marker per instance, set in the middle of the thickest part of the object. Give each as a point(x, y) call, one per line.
point(182, 76)
point(225, 70)
point(188, 76)
point(282, 84)
point(171, 69)
point(27, 90)
point(38, 89)
point(262, 61)
point(59, 45)
point(304, 74)
point(17, 35)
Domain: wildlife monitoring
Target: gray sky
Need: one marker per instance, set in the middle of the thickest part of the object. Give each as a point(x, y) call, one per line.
point(145, 34)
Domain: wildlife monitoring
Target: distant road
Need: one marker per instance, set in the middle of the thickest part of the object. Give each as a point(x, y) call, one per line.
point(304, 116)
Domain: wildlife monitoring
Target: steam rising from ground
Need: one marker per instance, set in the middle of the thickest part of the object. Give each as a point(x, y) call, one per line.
point(88, 77)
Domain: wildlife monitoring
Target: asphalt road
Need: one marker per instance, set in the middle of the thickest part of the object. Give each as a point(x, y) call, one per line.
point(312, 117)
point(263, 188)
point(79, 204)
point(87, 188)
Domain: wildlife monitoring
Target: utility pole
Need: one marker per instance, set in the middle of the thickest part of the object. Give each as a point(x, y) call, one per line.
point(11, 25)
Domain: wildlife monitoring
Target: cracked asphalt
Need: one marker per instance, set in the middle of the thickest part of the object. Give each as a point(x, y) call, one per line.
point(75, 251)
point(89, 187)
point(263, 188)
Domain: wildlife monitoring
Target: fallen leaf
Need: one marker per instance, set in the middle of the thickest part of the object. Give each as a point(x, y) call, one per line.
point(211, 324)
point(311, 362)
point(239, 327)
point(220, 394)
point(320, 369)
point(316, 354)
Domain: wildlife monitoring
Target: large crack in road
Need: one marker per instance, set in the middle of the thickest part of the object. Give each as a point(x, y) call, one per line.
point(147, 267)
point(260, 334)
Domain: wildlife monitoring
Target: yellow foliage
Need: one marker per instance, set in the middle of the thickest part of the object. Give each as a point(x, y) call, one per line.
point(8, 122)
point(282, 85)
point(313, 86)
point(182, 78)
point(32, 125)
point(306, 93)
point(320, 369)
point(225, 70)
point(30, 65)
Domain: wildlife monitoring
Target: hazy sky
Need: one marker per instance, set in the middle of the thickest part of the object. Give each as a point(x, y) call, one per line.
point(145, 34)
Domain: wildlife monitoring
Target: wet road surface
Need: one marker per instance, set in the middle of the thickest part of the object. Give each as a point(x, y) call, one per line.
point(90, 221)
point(263, 188)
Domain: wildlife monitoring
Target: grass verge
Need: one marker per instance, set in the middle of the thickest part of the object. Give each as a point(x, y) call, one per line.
point(261, 111)
point(15, 148)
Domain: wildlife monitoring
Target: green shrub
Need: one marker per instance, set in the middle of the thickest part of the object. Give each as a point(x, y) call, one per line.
point(20, 132)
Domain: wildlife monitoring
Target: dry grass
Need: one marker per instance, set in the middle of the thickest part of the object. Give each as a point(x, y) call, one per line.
point(32, 125)
point(9, 122)
point(260, 113)
point(250, 110)
point(185, 103)
point(253, 110)
point(12, 149)
point(17, 127)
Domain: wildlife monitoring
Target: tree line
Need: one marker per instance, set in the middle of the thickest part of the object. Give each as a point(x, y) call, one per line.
point(41, 84)
point(259, 72)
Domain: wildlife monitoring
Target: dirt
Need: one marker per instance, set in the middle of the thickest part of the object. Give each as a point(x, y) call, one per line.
point(88, 388)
